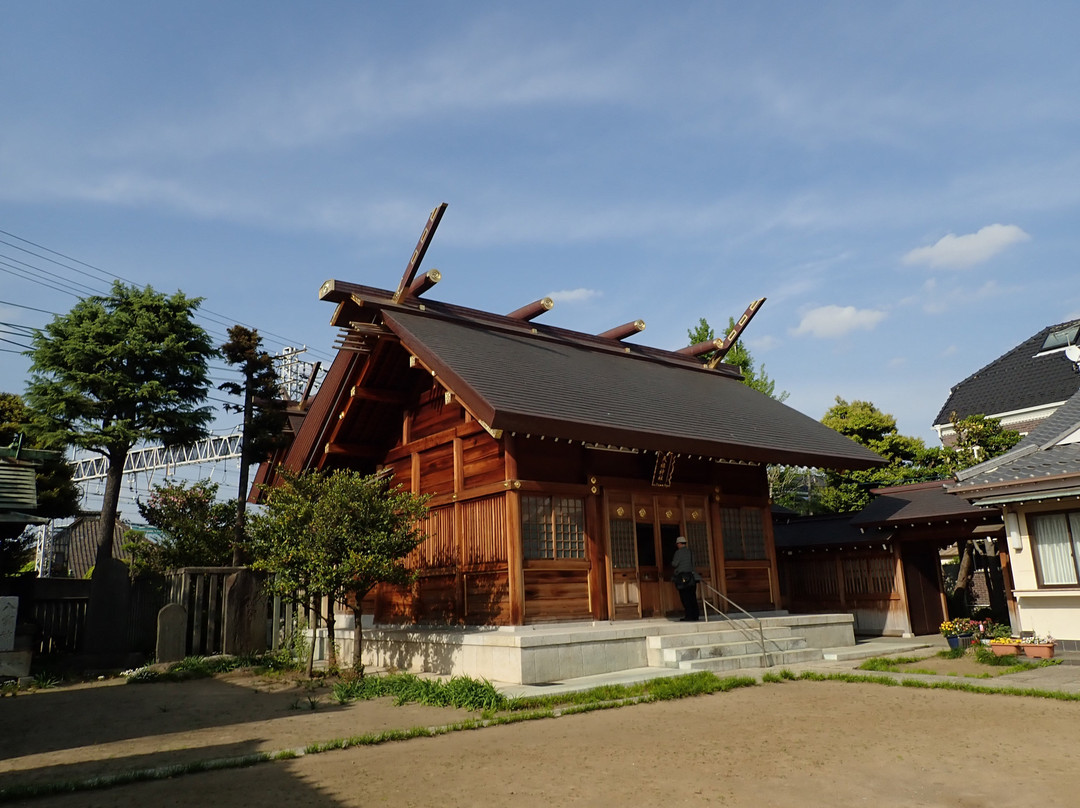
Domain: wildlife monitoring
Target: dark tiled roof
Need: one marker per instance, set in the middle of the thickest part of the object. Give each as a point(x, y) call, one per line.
point(1039, 456)
point(922, 502)
point(820, 531)
point(79, 540)
point(1044, 464)
point(1014, 381)
point(1064, 421)
point(552, 385)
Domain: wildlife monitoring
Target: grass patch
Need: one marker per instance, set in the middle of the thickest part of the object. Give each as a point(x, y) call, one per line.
point(199, 667)
point(964, 687)
point(662, 689)
point(888, 663)
point(983, 656)
point(463, 692)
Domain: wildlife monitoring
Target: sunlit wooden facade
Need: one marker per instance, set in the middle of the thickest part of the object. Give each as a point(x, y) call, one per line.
point(560, 466)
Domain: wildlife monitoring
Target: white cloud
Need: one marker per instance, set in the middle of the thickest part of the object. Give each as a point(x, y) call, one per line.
point(940, 301)
point(835, 321)
point(960, 252)
point(575, 295)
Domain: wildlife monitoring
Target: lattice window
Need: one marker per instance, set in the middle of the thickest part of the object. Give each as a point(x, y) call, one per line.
point(868, 576)
point(553, 527)
point(744, 534)
point(623, 544)
point(814, 578)
point(697, 535)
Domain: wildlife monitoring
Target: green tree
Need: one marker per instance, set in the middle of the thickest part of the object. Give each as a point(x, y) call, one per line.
point(909, 459)
point(117, 370)
point(263, 413)
point(336, 535)
point(196, 528)
point(738, 355)
point(978, 439)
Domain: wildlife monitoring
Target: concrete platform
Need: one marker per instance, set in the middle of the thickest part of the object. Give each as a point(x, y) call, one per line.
point(551, 653)
point(1063, 678)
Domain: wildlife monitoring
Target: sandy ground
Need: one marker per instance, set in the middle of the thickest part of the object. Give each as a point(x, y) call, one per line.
point(790, 744)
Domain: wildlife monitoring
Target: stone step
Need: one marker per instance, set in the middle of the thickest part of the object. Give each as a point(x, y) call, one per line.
point(706, 636)
point(673, 656)
point(730, 663)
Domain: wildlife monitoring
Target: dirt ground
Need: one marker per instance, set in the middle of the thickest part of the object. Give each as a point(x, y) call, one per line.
point(790, 744)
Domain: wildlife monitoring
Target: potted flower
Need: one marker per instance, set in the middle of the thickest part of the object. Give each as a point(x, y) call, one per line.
point(1037, 647)
point(958, 631)
point(1005, 646)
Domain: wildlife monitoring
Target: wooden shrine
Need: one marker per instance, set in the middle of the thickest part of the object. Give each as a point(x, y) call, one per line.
point(561, 465)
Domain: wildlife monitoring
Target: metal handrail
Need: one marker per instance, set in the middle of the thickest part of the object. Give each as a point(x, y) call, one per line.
point(760, 626)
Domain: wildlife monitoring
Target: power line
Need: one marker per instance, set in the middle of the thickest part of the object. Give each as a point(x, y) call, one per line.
point(29, 308)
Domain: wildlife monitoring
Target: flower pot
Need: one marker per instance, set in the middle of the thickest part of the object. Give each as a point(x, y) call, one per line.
point(1038, 650)
point(1003, 649)
point(959, 641)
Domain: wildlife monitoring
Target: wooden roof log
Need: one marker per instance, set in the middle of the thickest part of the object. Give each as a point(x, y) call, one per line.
point(421, 249)
point(350, 341)
point(423, 283)
point(733, 335)
point(699, 348)
point(533, 310)
point(623, 331)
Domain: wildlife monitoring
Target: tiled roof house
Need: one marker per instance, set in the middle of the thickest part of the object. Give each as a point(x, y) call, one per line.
point(1021, 387)
point(1036, 486)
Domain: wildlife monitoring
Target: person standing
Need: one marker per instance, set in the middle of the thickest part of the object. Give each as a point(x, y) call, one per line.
point(685, 579)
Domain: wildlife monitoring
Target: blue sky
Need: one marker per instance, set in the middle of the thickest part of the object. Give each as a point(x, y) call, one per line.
point(901, 181)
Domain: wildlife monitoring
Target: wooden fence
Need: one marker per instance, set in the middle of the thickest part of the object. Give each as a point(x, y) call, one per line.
point(56, 607)
point(201, 590)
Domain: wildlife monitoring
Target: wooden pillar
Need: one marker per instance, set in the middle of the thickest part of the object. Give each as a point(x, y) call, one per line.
point(770, 552)
point(1007, 583)
point(459, 537)
point(841, 584)
point(717, 548)
point(597, 553)
point(900, 586)
point(514, 561)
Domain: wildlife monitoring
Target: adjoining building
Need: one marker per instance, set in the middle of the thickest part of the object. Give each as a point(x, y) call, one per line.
point(883, 564)
point(1036, 486)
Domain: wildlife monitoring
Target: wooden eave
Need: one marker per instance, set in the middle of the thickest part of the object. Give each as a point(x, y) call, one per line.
point(1030, 485)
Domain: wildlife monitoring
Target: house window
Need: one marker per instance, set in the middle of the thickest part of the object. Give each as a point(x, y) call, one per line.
point(1060, 338)
point(553, 527)
point(744, 534)
point(1056, 539)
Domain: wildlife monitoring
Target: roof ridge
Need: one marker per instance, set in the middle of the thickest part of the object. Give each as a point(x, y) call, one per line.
point(341, 290)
